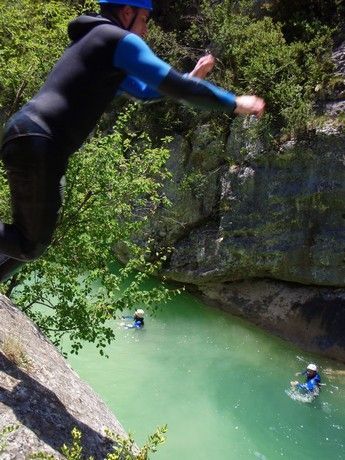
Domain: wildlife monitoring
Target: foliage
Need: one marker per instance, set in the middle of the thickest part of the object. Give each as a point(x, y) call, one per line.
point(16, 353)
point(73, 452)
point(302, 18)
point(257, 52)
point(124, 447)
point(194, 183)
point(107, 182)
point(255, 57)
point(175, 15)
point(4, 432)
point(32, 37)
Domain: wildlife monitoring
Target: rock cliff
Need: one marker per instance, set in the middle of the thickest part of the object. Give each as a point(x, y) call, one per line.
point(264, 225)
point(43, 396)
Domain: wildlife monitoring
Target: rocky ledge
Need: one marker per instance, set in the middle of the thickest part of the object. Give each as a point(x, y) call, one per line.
point(43, 397)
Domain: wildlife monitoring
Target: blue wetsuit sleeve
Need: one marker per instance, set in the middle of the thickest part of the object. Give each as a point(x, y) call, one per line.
point(133, 56)
point(138, 89)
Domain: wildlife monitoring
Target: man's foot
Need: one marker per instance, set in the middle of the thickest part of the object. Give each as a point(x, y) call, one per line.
point(8, 266)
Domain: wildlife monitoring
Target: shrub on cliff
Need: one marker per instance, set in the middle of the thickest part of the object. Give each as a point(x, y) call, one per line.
point(257, 50)
point(254, 54)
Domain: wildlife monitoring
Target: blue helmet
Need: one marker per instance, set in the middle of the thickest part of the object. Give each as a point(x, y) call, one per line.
point(146, 4)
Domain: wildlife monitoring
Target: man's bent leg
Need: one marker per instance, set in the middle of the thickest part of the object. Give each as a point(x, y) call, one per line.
point(34, 168)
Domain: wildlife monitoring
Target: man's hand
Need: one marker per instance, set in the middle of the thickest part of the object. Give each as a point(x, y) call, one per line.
point(250, 105)
point(203, 67)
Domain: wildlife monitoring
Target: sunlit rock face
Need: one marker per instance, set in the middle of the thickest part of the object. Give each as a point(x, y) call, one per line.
point(42, 398)
point(240, 211)
point(279, 215)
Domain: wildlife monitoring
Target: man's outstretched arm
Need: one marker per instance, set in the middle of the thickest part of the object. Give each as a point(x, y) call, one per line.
point(138, 89)
point(135, 57)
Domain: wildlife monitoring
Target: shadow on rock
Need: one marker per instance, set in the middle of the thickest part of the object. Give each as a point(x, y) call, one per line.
point(42, 412)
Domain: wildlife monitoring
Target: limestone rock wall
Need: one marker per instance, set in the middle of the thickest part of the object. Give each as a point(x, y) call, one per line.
point(240, 211)
point(41, 394)
point(278, 216)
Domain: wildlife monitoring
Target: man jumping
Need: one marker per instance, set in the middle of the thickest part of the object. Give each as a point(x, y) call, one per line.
point(106, 56)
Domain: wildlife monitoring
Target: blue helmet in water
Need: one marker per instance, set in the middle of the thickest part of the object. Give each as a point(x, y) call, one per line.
point(146, 4)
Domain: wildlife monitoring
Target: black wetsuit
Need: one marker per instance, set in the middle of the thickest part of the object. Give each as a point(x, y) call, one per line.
point(102, 60)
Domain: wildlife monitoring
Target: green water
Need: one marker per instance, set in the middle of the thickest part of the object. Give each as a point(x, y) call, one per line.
point(219, 384)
